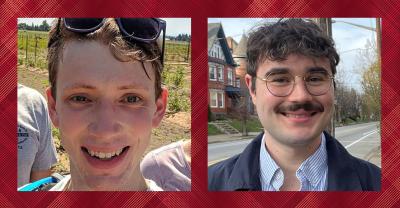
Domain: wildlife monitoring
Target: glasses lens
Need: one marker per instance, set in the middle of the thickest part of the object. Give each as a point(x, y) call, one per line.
point(280, 84)
point(318, 83)
point(83, 24)
point(143, 28)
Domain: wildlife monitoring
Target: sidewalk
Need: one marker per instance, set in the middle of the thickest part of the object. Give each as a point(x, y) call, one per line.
point(375, 156)
point(231, 137)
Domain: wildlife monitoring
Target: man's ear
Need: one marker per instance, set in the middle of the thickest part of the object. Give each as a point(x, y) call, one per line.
point(51, 103)
point(249, 84)
point(161, 106)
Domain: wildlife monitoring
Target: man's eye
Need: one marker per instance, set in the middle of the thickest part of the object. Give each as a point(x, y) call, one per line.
point(279, 79)
point(80, 99)
point(315, 79)
point(131, 99)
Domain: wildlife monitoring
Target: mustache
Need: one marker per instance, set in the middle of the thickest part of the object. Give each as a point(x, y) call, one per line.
point(307, 106)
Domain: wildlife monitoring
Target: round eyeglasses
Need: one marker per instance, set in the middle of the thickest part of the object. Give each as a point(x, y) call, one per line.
point(282, 84)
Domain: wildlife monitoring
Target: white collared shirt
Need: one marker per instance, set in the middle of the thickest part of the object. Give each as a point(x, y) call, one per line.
point(312, 173)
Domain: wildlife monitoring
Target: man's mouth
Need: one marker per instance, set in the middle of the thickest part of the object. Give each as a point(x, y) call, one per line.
point(299, 115)
point(105, 155)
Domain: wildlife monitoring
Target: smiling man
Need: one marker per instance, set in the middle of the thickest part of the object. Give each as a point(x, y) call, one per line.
point(290, 76)
point(105, 98)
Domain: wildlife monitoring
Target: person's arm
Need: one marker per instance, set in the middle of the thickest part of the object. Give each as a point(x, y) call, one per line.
point(46, 155)
point(39, 174)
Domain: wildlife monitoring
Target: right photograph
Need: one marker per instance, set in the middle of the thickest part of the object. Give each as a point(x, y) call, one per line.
point(294, 104)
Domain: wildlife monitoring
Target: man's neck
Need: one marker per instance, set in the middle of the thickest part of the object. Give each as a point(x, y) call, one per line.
point(289, 158)
point(127, 182)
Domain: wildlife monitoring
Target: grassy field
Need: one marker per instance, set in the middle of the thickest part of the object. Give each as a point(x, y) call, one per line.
point(32, 49)
point(175, 126)
point(177, 51)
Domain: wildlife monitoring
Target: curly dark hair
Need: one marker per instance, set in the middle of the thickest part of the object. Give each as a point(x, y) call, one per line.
point(277, 41)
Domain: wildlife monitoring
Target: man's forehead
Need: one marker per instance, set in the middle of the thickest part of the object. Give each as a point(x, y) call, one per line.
point(94, 63)
point(295, 64)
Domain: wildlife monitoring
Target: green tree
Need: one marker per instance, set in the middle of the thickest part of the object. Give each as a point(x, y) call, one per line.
point(371, 79)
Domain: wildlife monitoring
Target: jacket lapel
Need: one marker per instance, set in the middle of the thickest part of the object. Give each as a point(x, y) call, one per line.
point(342, 174)
point(246, 172)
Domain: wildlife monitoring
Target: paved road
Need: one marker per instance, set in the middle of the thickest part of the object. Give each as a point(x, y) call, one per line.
point(361, 140)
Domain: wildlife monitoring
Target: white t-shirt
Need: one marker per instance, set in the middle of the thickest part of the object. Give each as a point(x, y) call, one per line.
point(36, 149)
point(168, 167)
point(62, 185)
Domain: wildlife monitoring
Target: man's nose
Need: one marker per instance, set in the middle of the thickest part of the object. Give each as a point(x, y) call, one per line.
point(299, 91)
point(105, 123)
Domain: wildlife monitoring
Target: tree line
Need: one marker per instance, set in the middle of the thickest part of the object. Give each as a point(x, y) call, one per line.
point(180, 37)
point(46, 27)
point(43, 27)
point(365, 104)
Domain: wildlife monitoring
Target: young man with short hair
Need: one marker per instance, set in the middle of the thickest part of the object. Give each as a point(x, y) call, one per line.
point(290, 76)
point(105, 97)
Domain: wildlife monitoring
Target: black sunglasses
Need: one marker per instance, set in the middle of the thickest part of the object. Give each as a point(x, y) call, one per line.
point(145, 30)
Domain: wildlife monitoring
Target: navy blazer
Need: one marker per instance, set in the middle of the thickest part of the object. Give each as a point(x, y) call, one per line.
point(345, 172)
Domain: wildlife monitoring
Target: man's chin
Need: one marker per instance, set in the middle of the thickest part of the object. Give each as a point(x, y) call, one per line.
point(298, 138)
point(105, 182)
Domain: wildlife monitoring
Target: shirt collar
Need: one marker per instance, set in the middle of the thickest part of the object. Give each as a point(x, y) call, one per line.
point(311, 168)
point(314, 165)
point(268, 167)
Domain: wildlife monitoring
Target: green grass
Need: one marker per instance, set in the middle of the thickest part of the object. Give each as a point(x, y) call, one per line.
point(253, 125)
point(175, 78)
point(212, 130)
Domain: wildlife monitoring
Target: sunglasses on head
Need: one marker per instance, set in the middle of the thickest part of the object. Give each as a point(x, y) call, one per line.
point(133, 30)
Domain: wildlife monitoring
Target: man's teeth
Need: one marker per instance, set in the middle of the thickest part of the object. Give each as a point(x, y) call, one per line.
point(297, 115)
point(103, 155)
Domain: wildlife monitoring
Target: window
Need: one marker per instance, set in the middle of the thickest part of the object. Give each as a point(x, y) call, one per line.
point(216, 51)
point(212, 72)
point(220, 99)
point(238, 82)
point(230, 77)
point(213, 99)
point(217, 99)
point(221, 53)
point(220, 74)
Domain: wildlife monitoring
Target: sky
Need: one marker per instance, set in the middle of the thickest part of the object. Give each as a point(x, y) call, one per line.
point(349, 40)
point(175, 26)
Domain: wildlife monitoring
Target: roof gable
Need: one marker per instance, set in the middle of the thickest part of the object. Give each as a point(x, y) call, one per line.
point(216, 33)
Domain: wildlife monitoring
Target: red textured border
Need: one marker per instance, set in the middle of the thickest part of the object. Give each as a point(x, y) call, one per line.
point(199, 11)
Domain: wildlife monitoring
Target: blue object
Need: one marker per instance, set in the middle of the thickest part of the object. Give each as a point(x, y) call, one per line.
point(35, 186)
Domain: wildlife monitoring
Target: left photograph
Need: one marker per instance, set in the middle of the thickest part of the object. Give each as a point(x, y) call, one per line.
point(104, 104)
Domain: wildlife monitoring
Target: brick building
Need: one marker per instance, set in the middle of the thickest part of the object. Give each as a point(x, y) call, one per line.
point(222, 91)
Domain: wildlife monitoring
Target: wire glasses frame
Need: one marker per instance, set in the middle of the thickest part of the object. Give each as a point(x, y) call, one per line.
point(283, 86)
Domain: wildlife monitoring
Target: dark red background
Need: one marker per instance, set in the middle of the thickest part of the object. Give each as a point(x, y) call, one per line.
point(199, 11)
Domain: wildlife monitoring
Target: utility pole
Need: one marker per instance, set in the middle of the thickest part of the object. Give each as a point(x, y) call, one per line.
point(378, 39)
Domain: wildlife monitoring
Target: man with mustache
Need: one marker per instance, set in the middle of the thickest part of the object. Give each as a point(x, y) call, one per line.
point(290, 75)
